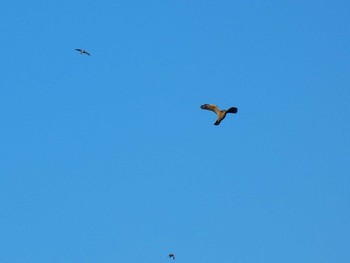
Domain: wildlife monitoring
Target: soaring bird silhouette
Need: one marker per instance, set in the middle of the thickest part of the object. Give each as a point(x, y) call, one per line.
point(220, 113)
point(82, 51)
point(171, 255)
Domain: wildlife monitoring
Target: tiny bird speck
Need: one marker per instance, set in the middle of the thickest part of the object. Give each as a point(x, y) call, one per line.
point(82, 51)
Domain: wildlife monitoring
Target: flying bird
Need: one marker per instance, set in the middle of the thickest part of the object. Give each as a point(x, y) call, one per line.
point(82, 51)
point(220, 113)
point(171, 255)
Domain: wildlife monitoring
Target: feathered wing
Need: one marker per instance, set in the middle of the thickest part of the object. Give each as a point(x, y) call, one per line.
point(87, 53)
point(77, 49)
point(232, 110)
point(217, 122)
point(211, 107)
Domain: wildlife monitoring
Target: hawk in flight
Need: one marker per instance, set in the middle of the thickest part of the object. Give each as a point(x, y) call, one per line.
point(171, 255)
point(82, 51)
point(220, 113)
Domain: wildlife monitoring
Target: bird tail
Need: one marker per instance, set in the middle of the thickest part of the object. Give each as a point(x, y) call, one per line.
point(232, 110)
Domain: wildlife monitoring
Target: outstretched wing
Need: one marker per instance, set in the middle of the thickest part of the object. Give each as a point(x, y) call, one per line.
point(77, 49)
point(232, 110)
point(87, 53)
point(211, 107)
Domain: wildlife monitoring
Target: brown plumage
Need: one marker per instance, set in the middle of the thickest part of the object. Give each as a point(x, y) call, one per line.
point(82, 51)
point(220, 113)
point(171, 255)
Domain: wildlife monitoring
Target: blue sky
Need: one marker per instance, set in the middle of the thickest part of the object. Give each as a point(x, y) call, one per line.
point(109, 158)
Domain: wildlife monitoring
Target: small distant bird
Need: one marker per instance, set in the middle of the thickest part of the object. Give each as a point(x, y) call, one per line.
point(220, 113)
point(82, 51)
point(171, 255)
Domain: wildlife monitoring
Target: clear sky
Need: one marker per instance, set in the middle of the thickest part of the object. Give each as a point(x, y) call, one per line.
point(109, 158)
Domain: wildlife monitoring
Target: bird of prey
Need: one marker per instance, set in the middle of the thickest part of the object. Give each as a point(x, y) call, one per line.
point(82, 51)
point(220, 113)
point(171, 255)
